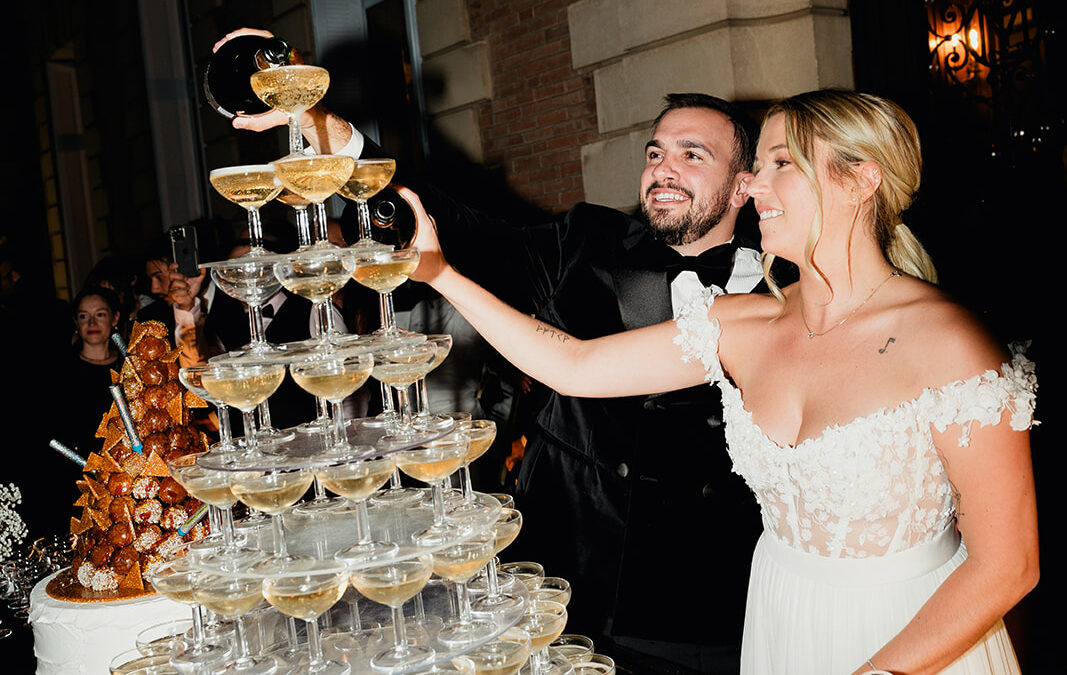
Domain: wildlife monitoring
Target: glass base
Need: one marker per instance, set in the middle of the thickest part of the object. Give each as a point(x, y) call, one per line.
point(258, 665)
point(366, 552)
point(440, 534)
point(194, 660)
point(399, 658)
point(458, 633)
point(319, 506)
point(492, 604)
point(396, 495)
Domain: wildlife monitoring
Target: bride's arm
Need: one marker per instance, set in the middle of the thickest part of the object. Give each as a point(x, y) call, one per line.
point(992, 481)
point(642, 361)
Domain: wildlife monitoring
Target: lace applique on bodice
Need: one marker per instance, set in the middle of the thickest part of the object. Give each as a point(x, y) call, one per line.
point(873, 486)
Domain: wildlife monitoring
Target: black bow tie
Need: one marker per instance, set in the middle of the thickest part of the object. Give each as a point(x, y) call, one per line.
point(712, 266)
point(268, 311)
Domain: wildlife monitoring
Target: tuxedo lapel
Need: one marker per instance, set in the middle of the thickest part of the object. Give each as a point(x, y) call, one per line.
point(641, 284)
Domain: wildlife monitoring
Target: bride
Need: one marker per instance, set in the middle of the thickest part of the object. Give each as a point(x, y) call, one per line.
point(883, 432)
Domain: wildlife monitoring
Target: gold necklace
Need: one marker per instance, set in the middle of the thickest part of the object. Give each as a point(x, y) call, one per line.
point(812, 334)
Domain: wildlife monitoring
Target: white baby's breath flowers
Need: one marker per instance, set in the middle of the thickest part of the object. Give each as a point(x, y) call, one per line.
point(12, 529)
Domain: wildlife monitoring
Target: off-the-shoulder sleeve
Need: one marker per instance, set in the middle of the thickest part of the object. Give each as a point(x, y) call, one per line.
point(984, 398)
point(699, 335)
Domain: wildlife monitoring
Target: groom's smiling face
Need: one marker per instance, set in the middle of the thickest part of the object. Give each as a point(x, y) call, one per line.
point(688, 175)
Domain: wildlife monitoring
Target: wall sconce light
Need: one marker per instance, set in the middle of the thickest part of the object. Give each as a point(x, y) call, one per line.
point(959, 40)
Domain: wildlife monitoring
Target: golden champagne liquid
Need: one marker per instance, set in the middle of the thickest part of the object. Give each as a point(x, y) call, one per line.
point(314, 178)
point(272, 497)
point(213, 490)
point(292, 199)
point(315, 289)
point(505, 534)
point(307, 605)
point(140, 664)
point(499, 658)
point(368, 179)
point(245, 392)
point(480, 442)
point(431, 472)
point(230, 603)
point(251, 189)
point(291, 89)
point(177, 587)
point(333, 386)
point(384, 277)
point(554, 594)
point(459, 570)
point(543, 627)
point(400, 374)
point(355, 485)
point(391, 594)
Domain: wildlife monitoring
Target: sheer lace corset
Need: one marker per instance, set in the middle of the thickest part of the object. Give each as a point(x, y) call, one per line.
point(873, 486)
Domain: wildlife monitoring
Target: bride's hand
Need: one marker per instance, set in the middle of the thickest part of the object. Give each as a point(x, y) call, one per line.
point(431, 260)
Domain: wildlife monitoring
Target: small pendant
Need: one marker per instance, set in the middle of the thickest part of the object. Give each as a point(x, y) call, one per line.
point(811, 335)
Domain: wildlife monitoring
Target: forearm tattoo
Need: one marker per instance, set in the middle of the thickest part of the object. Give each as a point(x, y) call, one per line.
point(551, 332)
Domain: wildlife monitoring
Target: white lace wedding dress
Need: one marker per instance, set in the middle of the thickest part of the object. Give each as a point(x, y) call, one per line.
point(859, 522)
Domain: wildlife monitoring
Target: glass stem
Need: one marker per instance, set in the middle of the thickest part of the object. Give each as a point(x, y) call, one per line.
point(255, 229)
point(405, 407)
point(264, 416)
point(249, 420)
point(279, 535)
point(492, 579)
point(228, 533)
point(314, 643)
point(387, 398)
point(198, 626)
point(364, 219)
point(464, 603)
point(468, 490)
point(322, 224)
point(400, 634)
point(420, 397)
point(255, 326)
point(438, 492)
point(385, 309)
point(394, 480)
point(241, 643)
point(303, 227)
point(362, 522)
point(225, 432)
point(296, 138)
point(339, 424)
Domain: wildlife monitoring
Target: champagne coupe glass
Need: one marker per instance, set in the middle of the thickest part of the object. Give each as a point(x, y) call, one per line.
point(191, 378)
point(400, 368)
point(272, 492)
point(304, 589)
point(544, 620)
point(433, 463)
point(245, 387)
point(505, 530)
point(594, 664)
point(482, 434)
point(133, 662)
point(519, 572)
point(250, 187)
point(574, 648)
point(458, 564)
point(392, 585)
point(213, 488)
point(174, 579)
point(162, 638)
point(315, 178)
point(291, 89)
point(334, 378)
point(424, 419)
point(503, 656)
point(250, 280)
point(232, 597)
point(556, 589)
point(316, 274)
point(356, 481)
point(368, 178)
point(383, 270)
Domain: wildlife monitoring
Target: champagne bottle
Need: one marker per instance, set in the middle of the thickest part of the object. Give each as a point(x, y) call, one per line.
point(226, 80)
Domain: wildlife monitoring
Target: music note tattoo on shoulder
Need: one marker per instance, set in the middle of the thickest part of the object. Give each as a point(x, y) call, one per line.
point(887, 343)
point(552, 333)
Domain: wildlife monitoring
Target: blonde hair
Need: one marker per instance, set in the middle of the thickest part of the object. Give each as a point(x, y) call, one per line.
point(858, 128)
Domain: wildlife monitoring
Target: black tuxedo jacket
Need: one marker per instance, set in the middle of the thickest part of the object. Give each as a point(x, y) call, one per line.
point(616, 493)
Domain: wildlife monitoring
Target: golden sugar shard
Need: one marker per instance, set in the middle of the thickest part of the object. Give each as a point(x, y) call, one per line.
point(176, 409)
point(100, 518)
point(194, 401)
point(155, 329)
point(115, 377)
point(111, 465)
point(80, 525)
point(172, 355)
point(103, 464)
point(155, 466)
point(113, 412)
point(136, 333)
point(97, 488)
point(82, 486)
point(133, 578)
point(83, 500)
point(115, 435)
point(129, 369)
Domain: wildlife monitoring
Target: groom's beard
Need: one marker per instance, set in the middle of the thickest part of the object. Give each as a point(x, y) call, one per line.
point(698, 219)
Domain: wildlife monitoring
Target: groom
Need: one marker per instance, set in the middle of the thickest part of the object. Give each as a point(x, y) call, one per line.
point(632, 500)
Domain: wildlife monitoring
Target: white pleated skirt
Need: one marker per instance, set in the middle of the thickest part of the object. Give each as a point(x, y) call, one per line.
point(808, 614)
